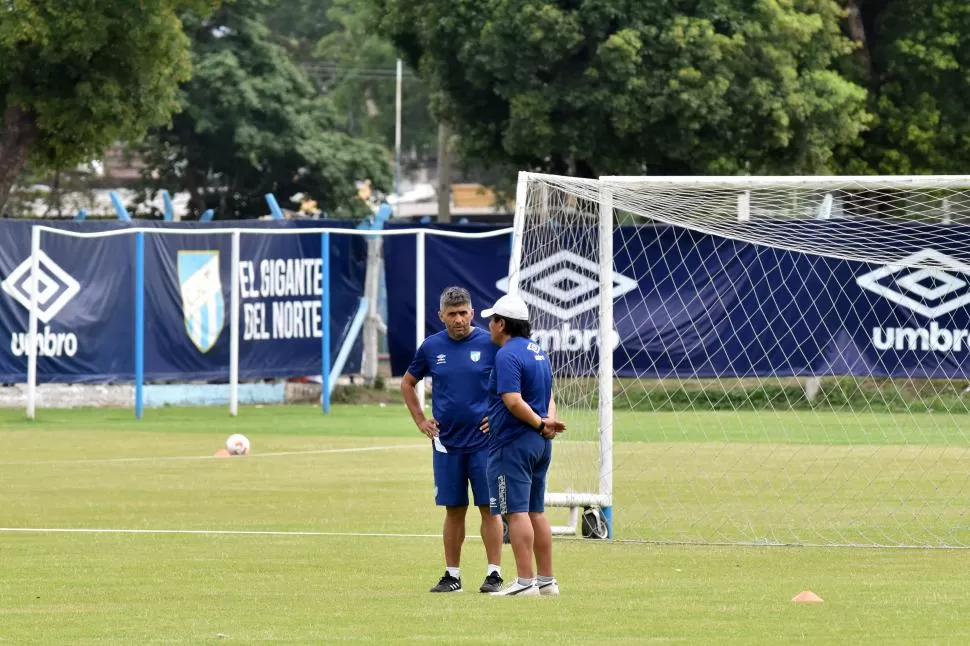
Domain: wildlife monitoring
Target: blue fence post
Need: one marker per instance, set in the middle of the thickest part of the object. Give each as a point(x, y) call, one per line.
point(274, 207)
point(139, 324)
point(384, 213)
point(349, 340)
point(119, 207)
point(168, 212)
point(325, 321)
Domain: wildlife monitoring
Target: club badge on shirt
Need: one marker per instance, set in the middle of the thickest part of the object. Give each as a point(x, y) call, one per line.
point(475, 355)
point(440, 359)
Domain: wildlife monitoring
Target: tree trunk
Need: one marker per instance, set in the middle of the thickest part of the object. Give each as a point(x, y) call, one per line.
point(444, 174)
point(54, 199)
point(857, 32)
point(17, 132)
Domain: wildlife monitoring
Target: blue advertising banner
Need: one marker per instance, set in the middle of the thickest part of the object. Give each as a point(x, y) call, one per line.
point(86, 302)
point(688, 304)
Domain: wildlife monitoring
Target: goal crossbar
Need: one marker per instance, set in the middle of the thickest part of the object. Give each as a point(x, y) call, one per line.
point(873, 182)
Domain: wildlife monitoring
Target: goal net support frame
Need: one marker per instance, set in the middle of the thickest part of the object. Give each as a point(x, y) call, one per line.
point(601, 500)
point(614, 194)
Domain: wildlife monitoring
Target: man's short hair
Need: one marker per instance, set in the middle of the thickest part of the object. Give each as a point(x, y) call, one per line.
point(514, 327)
point(453, 296)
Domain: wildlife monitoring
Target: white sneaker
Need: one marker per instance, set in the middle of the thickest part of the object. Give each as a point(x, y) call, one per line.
point(549, 588)
point(517, 589)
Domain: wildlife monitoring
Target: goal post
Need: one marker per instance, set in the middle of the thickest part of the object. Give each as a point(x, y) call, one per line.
point(781, 360)
point(542, 198)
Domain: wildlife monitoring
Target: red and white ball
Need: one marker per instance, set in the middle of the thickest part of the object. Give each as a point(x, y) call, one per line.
point(237, 444)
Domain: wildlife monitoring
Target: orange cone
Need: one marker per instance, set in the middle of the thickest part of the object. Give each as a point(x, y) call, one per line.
point(222, 453)
point(806, 597)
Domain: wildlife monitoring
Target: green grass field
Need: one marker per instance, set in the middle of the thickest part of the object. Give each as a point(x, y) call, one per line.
point(357, 484)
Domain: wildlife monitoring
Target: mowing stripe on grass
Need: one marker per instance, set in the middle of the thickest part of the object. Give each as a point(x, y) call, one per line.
point(362, 449)
point(205, 532)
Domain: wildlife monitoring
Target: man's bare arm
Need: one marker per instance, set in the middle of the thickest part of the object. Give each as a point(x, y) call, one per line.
point(428, 426)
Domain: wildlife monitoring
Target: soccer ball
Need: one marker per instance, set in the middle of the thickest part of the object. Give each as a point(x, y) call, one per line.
point(237, 444)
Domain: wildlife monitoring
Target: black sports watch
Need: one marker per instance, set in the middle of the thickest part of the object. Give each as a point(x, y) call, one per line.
point(542, 425)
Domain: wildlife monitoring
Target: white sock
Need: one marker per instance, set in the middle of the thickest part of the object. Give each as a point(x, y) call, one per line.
point(546, 579)
point(454, 571)
point(493, 568)
point(526, 581)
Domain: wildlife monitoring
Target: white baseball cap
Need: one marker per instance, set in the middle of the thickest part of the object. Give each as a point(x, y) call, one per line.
point(509, 306)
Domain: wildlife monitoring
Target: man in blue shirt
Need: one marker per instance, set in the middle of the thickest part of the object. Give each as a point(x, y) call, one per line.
point(459, 360)
point(522, 423)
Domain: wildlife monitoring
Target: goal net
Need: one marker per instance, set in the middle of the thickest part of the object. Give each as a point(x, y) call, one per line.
point(756, 360)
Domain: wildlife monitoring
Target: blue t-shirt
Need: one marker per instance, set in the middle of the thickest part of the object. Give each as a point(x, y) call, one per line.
point(459, 397)
point(521, 366)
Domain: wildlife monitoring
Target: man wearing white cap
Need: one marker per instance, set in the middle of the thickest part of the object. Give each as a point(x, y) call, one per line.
point(522, 424)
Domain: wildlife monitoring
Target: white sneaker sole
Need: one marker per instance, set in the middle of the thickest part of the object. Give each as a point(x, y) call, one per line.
point(549, 590)
point(525, 592)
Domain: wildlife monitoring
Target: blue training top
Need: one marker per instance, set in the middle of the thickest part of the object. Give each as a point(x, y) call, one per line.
point(521, 366)
point(459, 398)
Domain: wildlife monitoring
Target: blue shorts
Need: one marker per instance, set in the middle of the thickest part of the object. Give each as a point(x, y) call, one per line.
point(453, 472)
point(517, 475)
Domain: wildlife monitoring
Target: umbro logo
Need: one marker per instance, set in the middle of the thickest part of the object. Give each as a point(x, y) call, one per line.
point(55, 287)
point(565, 285)
point(941, 286)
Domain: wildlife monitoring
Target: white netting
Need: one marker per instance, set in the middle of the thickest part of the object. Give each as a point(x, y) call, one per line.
point(790, 357)
point(559, 279)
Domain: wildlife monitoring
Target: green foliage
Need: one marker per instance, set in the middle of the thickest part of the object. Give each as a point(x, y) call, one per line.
point(252, 123)
point(86, 74)
point(353, 64)
point(653, 86)
point(920, 87)
point(298, 25)
point(358, 70)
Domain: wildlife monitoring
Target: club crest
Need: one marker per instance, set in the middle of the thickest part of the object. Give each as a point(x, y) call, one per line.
point(203, 305)
point(476, 355)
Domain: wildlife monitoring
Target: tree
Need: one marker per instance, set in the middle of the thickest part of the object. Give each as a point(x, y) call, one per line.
point(915, 60)
point(252, 124)
point(76, 76)
point(360, 79)
point(645, 86)
point(298, 25)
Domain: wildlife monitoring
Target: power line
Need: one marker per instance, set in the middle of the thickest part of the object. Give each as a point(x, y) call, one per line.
point(350, 69)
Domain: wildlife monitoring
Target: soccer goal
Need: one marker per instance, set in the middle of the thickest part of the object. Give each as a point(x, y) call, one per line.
point(755, 360)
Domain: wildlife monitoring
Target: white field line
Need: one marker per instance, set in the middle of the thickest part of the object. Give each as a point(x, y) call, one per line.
point(362, 449)
point(204, 532)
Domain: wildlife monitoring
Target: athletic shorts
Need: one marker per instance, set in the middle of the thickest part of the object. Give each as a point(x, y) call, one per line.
point(453, 472)
point(517, 474)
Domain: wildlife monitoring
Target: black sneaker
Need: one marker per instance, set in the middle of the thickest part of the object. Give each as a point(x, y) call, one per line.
point(447, 583)
point(493, 583)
